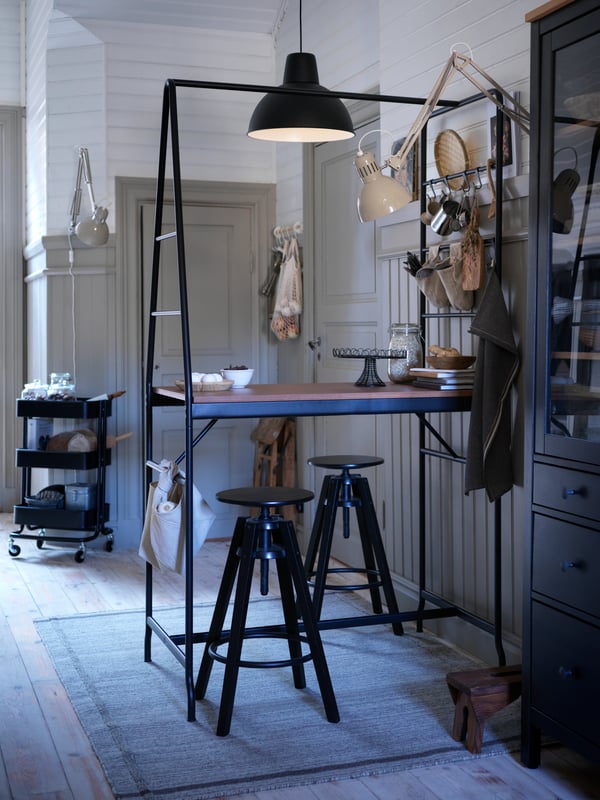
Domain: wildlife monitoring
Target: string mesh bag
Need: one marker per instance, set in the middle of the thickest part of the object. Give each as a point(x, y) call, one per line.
point(285, 322)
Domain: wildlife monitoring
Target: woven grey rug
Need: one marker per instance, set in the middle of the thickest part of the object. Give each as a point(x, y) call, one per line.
point(396, 711)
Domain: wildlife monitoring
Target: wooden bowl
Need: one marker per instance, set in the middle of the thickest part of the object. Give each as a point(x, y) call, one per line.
point(450, 362)
point(219, 386)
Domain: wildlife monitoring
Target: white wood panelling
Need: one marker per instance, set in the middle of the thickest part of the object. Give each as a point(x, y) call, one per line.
point(36, 146)
point(108, 97)
point(498, 39)
point(10, 53)
point(259, 16)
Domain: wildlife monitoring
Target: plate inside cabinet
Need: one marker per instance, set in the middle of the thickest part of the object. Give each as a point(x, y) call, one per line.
point(451, 156)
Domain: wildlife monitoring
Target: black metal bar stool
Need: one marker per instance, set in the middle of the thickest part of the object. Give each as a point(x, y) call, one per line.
point(264, 538)
point(348, 490)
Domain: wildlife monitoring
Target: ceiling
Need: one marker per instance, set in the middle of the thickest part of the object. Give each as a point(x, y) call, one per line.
point(255, 16)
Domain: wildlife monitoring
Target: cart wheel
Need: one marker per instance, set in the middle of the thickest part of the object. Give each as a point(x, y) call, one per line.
point(109, 546)
point(13, 549)
point(39, 543)
point(80, 556)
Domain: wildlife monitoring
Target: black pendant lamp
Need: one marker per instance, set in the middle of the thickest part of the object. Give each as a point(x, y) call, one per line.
point(298, 118)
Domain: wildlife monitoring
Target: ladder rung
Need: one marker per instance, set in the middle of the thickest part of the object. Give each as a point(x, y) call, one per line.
point(170, 235)
point(166, 313)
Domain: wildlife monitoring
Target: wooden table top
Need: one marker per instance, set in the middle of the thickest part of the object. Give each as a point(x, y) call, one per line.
point(314, 399)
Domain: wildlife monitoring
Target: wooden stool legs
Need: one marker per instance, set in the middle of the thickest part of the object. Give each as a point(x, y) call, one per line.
point(348, 491)
point(264, 538)
point(478, 694)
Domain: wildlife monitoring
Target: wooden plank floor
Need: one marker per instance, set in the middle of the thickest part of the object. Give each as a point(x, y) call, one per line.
point(46, 755)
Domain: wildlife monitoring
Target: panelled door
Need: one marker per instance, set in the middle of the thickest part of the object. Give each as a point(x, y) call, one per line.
point(349, 310)
point(219, 259)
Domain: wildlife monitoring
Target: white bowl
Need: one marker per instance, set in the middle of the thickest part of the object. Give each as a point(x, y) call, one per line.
point(240, 377)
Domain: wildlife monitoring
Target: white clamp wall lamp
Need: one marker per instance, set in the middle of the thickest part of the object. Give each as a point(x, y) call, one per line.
point(91, 230)
point(378, 197)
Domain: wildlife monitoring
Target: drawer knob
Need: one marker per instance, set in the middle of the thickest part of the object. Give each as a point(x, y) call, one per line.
point(565, 565)
point(566, 672)
point(566, 493)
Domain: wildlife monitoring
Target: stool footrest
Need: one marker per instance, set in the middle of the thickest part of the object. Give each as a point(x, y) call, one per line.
point(350, 587)
point(282, 662)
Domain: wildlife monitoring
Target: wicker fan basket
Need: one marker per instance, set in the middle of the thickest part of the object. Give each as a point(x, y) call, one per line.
point(451, 156)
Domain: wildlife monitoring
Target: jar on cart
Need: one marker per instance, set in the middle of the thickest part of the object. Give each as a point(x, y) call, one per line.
point(404, 336)
point(61, 386)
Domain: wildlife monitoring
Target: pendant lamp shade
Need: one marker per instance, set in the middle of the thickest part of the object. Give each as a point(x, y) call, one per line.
point(380, 195)
point(296, 117)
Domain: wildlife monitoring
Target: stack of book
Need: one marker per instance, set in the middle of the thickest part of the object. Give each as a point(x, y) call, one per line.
point(428, 378)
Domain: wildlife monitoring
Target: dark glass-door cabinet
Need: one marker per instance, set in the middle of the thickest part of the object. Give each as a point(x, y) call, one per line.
point(561, 626)
point(83, 508)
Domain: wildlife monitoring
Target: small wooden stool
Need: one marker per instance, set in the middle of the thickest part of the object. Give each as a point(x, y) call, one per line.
point(478, 694)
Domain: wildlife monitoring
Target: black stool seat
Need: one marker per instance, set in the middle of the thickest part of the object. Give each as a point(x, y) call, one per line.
point(349, 490)
point(345, 462)
point(272, 496)
point(266, 537)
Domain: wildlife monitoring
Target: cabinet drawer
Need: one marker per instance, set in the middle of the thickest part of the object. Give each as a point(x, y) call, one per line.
point(568, 490)
point(566, 563)
point(565, 657)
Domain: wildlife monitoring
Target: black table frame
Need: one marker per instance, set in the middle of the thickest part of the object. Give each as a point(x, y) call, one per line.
point(302, 400)
point(419, 403)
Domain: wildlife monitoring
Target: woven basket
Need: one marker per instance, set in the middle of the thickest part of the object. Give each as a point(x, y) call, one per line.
point(451, 156)
point(450, 362)
point(220, 386)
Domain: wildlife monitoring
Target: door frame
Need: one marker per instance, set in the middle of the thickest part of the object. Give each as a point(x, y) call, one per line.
point(130, 195)
point(12, 273)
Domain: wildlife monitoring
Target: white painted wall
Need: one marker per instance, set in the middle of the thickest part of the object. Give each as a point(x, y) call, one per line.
point(105, 87)
point(10, 53)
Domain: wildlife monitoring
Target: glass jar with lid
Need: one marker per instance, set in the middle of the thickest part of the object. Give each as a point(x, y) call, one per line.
point(404, 336)
point(61, 386)
point(36, 390)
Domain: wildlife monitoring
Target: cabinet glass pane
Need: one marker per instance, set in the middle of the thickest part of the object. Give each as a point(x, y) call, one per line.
point(573, 390)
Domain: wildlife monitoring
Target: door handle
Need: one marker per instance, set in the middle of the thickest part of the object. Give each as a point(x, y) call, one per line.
point(314, 343)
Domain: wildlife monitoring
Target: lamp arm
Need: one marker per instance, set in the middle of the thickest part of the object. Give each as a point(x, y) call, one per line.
point(457, 63)
point(427, 109)
point(518, 114)
point(87, 175)
point(76, 201)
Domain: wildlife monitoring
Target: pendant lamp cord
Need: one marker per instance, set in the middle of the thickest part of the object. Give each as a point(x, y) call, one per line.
point(300, 11)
